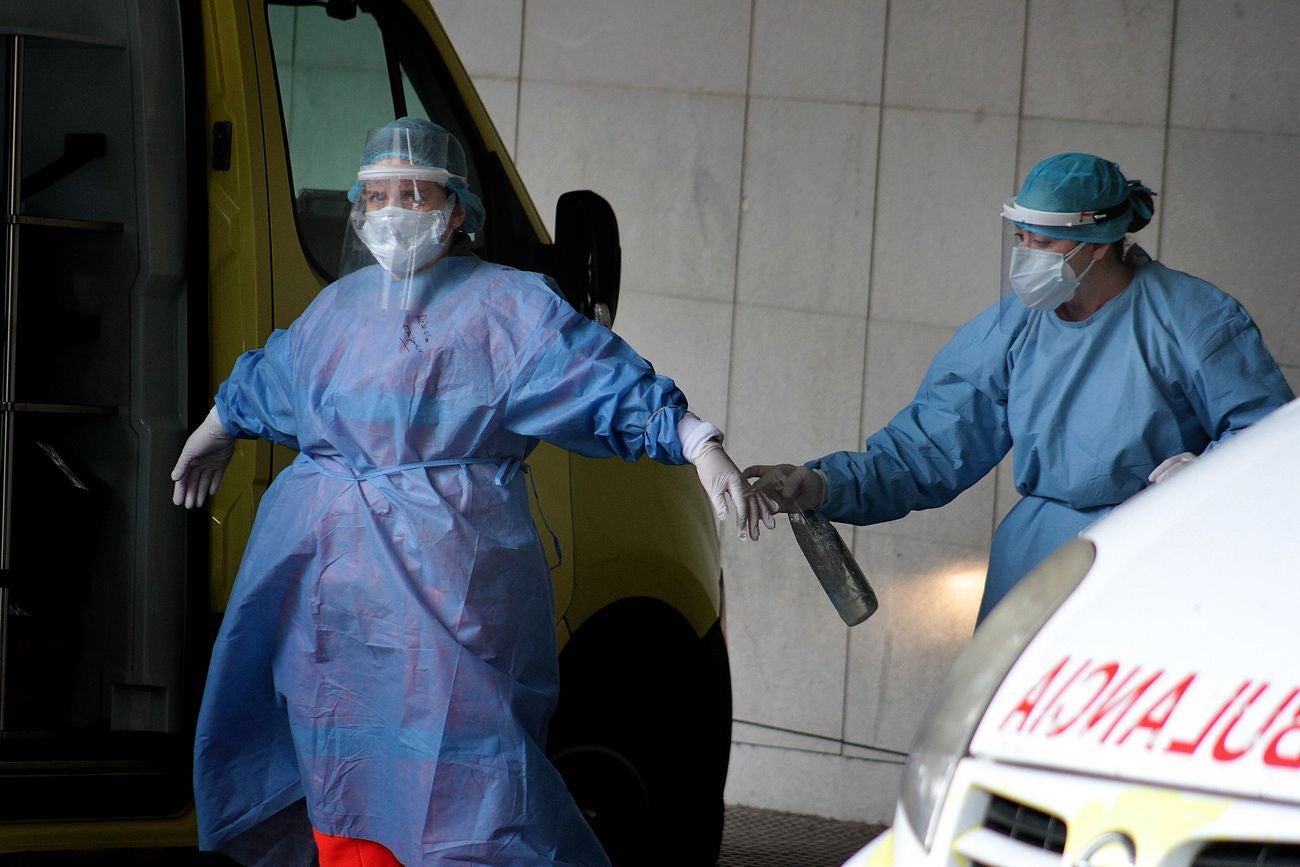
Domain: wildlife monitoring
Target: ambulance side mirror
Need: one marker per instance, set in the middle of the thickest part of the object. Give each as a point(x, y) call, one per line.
point(587, 255)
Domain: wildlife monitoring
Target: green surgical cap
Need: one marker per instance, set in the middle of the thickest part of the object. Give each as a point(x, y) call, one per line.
point(1074, 183)
point(422, 142)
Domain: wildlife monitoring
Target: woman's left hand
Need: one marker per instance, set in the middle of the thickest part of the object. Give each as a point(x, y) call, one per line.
point(202, 464)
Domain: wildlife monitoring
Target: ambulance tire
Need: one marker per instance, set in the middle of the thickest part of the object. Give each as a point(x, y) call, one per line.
point(642, 733)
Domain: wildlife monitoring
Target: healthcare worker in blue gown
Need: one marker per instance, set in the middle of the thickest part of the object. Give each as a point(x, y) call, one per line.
point(1106, 372)
point(387, 663)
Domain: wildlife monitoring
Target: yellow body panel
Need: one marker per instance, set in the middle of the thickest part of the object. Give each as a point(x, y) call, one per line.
point(622, 515)
point(239, 268)
point(122, 834)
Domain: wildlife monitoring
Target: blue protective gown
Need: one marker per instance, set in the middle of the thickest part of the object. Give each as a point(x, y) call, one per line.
point(1171, 365)
point(388, 653)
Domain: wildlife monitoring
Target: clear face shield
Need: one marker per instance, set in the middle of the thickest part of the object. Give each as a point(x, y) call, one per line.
point(401, 220)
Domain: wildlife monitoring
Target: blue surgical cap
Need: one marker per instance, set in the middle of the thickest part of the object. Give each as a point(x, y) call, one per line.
point(1080, 183)
point(422, 142)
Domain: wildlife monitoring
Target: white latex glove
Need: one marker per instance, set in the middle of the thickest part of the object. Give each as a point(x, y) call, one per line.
point(202, 464)
point(788, 487)
point(1169, 466)
point(722, 480)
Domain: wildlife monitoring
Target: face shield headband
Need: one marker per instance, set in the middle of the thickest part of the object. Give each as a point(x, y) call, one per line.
point(1068, 219)
point(402, 219)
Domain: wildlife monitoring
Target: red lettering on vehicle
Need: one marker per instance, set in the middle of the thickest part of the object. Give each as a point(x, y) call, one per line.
point(1157, 716)
point(1031, 699)
point(1290, 697)
point(1221, 752)
point(1108, 671)
point(1122, 703)
point(1111, 702)
point(1273, 755)
point(1190, 747)
point(1052, 704)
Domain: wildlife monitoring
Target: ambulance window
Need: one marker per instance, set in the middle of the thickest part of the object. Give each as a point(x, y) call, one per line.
point(334, 79)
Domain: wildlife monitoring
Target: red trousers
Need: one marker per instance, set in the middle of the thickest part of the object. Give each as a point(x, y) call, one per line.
point(350, 852)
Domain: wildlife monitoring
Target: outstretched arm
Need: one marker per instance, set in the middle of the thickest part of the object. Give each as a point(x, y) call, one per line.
point(951, 434)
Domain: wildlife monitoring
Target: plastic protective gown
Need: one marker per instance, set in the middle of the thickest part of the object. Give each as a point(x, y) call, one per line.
point(1171, 365)
point(388, 651)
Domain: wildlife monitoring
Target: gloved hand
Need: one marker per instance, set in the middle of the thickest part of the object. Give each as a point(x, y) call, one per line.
point(721, 479)
point(788, 487)
point(202, 463)
point(1169, 466)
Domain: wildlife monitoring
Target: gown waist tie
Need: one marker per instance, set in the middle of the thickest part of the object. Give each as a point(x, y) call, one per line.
point(509, 468)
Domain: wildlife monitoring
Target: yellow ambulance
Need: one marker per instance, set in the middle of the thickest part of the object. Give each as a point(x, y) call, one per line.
point(174, 190)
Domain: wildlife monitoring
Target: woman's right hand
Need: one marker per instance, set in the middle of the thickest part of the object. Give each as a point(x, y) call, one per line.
point(202, 464)
point(722, 480)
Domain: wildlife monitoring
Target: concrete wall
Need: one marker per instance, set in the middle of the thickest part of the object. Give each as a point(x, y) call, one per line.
point(808, 192)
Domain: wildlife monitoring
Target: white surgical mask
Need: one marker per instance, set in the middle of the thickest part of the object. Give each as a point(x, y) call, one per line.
point(403, 240)
point(1044, 280)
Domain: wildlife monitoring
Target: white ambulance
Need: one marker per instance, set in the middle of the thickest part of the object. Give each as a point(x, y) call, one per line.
point(1136, 701)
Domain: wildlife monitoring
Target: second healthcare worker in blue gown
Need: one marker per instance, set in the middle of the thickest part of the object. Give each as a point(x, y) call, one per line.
point(388, 652)
point(1105, 371)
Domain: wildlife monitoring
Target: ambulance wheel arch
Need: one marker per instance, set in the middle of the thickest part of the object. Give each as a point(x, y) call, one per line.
point(642, 732)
